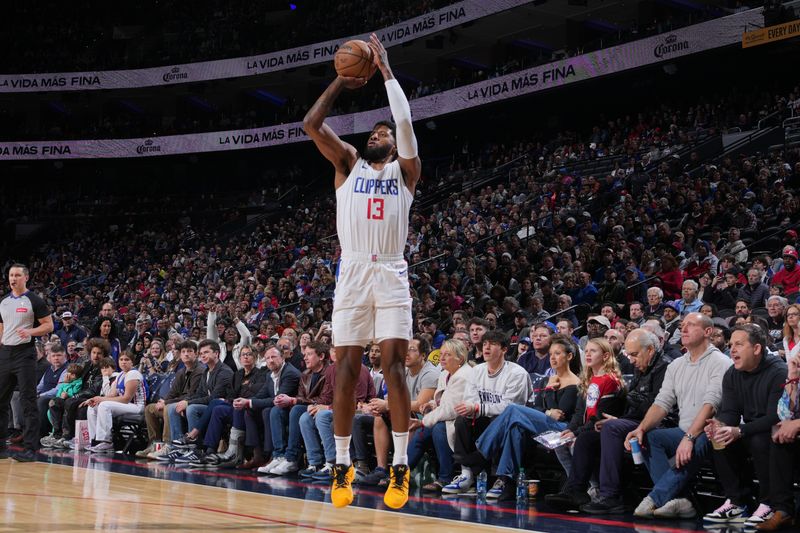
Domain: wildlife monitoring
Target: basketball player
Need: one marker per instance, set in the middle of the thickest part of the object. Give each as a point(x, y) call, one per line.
point(23, 316)
point(374, 191)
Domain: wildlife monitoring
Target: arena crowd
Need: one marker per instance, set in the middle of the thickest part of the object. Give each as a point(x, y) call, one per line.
point(655, 301)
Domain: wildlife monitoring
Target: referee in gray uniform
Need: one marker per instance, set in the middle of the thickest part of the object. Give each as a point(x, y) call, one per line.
point(23, 316)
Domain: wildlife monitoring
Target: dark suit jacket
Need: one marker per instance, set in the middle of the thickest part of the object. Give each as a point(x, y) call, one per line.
point(217, 385)
point(287, 384)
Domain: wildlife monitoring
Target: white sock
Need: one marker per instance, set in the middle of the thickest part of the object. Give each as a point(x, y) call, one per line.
point(342, 450)
point(466, 471)
point(400, 448)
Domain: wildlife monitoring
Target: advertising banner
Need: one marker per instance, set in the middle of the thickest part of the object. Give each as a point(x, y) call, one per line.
point(430, 23)
point(690, 40)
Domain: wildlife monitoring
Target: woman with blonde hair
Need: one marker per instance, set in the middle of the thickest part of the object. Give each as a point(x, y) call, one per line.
point(438, 423)
point(151, 361)
point(600, 399)
point(791, 332)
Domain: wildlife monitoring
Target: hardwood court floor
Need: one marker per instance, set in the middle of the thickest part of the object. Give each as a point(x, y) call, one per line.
point(56, 498)
point(70, 492)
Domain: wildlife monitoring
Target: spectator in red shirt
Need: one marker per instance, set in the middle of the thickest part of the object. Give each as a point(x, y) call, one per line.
point(671, 278)
point(789, 276)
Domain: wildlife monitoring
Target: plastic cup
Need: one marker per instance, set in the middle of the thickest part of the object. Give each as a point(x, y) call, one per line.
point(533, 488)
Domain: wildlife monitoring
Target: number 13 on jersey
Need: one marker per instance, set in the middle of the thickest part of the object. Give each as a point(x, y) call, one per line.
point(375, 209)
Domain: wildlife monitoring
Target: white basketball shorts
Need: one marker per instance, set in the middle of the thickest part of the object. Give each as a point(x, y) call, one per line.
point(372, 301)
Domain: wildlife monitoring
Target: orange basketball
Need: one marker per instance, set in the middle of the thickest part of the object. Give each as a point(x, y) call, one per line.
point(354, 60)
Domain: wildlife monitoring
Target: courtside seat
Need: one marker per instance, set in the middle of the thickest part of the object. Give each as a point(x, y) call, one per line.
point(130, 430)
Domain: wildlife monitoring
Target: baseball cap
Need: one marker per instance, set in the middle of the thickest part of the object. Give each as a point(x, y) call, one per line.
point(600, 319)
point(791, 233)
point(673, 306)
point(66, 314)
point(525, 340)
point(790, 253)
point(262, 337)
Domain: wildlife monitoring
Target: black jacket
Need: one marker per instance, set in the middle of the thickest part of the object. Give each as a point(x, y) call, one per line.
point(753, 396)
point(218, 384)
point(723, 299)
point(185, 383)
point(92, 382)
point(288, 383)
point(612, 404)
point(645, 386)
point(247, 387)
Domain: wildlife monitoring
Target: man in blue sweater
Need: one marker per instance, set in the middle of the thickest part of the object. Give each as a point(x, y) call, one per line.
point(46, 389)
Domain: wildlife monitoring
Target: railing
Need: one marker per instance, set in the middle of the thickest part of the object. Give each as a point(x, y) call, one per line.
point(772, 115)
point(641, 282)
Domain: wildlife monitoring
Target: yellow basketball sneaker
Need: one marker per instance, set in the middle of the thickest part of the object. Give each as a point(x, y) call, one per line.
point(397, 494)
point(342, 489)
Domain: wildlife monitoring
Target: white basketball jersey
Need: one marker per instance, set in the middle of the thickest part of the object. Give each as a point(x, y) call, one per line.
point(372, 209)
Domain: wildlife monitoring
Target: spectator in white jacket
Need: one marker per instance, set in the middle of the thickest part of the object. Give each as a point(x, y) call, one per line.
point(438, 423)
point(494, 385)
point(236, 337)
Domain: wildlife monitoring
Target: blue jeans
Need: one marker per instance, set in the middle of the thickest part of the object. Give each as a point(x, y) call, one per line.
point(313, 443)
point(199, 415)
point(221, 416)
point(176, 422)
point(295, 438)
point(324, 423)
point(278, 429)
point(421, 440)
point(362, 428)
point(506, 434)
point(669, 481)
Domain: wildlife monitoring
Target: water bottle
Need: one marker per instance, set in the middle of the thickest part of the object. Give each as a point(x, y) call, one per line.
point(636, 451)
point(522, 488)
point(480, 485)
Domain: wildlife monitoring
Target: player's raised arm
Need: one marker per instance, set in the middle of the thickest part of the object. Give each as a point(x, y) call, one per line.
point(341, 154)
point(407, 154)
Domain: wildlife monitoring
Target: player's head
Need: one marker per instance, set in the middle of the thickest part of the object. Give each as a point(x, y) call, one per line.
point(381, 143)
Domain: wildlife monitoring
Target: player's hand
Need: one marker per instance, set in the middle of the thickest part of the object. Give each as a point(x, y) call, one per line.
point(352, 83)
point(379, 55)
